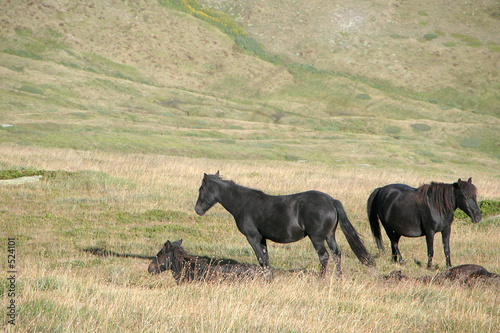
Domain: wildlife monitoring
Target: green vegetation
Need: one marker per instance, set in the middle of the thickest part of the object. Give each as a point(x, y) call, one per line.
point(122, 107)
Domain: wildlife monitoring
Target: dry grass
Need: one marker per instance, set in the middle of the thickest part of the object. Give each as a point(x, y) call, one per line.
point(62, 288)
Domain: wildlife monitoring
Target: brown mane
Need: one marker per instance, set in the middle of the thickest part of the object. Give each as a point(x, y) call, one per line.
point(437, 195)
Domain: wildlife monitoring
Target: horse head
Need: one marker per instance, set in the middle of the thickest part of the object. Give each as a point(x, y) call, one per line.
point(466, 199)
point(207, 194)
point(171, 256)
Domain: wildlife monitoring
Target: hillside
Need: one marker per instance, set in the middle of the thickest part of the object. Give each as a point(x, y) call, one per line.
point(439, 49)
point(143, 77)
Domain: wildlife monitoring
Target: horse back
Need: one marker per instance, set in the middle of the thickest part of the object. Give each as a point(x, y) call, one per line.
point(398, 210)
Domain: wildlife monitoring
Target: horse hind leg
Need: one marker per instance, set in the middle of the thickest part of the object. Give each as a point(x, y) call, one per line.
point(396, 254)
point(337, 255)
point(319, 246)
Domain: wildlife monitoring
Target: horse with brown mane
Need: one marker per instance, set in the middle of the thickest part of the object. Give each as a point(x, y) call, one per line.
point(423, 211)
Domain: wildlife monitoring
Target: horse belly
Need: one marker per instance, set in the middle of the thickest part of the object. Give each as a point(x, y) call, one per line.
point(400, 222)
point(279, 233)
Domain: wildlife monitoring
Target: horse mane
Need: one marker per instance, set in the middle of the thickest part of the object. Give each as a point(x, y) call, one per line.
point(437, 195)
point(244, 188)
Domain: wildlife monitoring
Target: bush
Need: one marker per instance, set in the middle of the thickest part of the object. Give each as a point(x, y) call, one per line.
point(430, 36)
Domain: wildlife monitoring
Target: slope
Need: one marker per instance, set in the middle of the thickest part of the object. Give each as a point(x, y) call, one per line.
point(141, 77)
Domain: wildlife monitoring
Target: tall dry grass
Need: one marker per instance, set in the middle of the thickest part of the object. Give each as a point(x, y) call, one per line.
point(62, 288)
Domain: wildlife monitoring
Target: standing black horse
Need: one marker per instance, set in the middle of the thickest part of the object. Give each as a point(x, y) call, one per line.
point(423, 211)
point(282, 219)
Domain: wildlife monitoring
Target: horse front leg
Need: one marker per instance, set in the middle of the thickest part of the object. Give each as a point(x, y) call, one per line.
point(259, 246)
point(429, 238)
point(446, 244)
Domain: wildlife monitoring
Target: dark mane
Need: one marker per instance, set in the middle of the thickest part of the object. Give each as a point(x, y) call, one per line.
point(468, 189)
point(437, 195)
point(241, 187)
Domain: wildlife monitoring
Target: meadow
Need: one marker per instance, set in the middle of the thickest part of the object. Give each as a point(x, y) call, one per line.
point(83, 237)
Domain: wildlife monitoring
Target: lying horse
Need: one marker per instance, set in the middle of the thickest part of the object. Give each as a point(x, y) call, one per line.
point(464, 274)
point(188, 268)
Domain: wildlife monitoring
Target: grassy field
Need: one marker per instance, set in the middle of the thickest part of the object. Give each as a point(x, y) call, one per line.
point(122, 106)
point(129, 204)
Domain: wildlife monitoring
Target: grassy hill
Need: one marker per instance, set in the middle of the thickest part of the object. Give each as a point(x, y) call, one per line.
point(146, 78)
point(122, 105)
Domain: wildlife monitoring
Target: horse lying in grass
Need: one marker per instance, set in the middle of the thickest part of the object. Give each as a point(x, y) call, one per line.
point(468, 274)
point(188, 268)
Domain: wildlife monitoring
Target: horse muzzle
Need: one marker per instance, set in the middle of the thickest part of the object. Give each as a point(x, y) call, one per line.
point(153, 269)
point(476, 217)
point(199, 210)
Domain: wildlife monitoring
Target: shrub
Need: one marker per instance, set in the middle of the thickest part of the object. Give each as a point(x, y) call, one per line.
point(430, 36)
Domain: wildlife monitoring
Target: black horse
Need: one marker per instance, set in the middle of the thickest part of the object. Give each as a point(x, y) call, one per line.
point(282, 219)
point(423, 211)
point(189, 268)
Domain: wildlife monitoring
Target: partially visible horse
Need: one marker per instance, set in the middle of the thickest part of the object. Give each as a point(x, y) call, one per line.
point(467, 274)
point(423, 211)
point(188, 268)
point(283, 218)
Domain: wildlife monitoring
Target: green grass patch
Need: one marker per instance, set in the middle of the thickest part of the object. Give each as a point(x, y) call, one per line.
point(24, 54)
point(392, 129)
point(467, 39)
point(492, 46)
point(419, 127)
point(430, 36)
point(31, 89)
point(489, 208)
point(221, 20)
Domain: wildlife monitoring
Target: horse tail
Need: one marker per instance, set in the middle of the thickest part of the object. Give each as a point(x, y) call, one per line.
point(373, 217)
point(352, 236)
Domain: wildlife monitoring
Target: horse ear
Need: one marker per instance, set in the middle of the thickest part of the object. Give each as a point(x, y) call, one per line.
point(165, 247)
point(177, 243)
point(470, 180)
point(217, 174)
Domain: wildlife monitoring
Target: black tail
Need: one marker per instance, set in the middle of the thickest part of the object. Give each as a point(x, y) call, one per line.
point(352, 236)
point(373, 217)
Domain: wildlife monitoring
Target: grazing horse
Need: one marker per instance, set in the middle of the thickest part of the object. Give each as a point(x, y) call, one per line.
point(423, 211)
point(188, 268)
point(282, 219)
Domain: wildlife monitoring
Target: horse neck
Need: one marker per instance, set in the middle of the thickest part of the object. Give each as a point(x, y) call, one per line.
point(183, 269)
point(231, 196)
